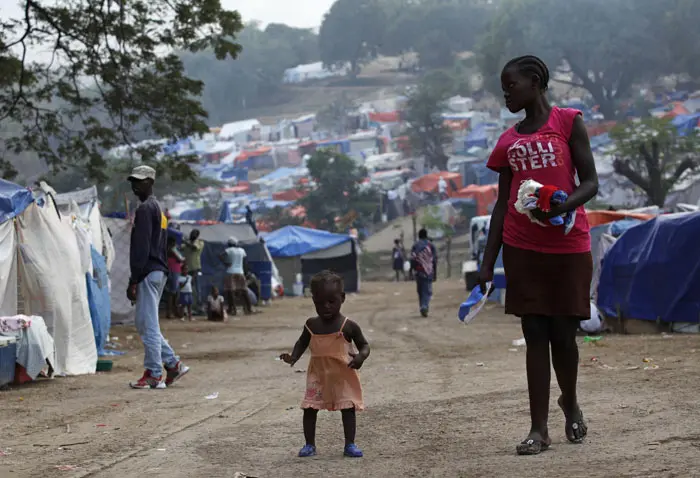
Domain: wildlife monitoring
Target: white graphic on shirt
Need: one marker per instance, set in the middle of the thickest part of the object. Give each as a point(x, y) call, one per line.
point(524, 155)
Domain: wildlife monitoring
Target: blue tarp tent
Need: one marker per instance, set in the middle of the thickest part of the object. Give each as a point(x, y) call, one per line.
point(99, 300)
point(13, 200)
point(298, 250)
point(293, 241)
point(652, 272)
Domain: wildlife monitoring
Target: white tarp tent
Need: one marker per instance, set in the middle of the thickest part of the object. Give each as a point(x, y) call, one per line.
point(53, 286)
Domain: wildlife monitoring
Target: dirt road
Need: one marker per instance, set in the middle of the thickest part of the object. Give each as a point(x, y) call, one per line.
point(444, 400)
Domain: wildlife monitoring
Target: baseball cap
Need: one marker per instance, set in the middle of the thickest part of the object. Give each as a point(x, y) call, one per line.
point(142, 172)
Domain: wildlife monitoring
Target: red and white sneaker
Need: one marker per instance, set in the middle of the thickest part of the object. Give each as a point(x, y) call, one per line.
point(175, 373)
point(148, 382)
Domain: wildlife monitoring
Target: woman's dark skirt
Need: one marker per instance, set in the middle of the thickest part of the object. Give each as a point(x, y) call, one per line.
point(552, 285)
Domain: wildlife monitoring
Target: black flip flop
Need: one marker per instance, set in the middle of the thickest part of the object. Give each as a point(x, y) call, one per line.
point(575, 430)
point(530, 446)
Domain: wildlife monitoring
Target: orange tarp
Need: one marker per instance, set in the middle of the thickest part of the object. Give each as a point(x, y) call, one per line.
point(678, 110)
point(484, 195)
point(597, 218)
point(429, 182)
point(252, 153)
point(241, 188)
point(391, 117)
point(289, 195)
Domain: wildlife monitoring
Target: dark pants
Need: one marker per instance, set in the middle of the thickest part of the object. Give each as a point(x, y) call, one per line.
point(424, 286)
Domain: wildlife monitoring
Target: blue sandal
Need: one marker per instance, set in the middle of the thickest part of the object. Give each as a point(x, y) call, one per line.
point(308, 450)
point(352, 451)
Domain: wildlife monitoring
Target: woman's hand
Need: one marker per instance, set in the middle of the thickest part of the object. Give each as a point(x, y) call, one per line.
point(485, 276)
point(288, 359)
point(542, 216)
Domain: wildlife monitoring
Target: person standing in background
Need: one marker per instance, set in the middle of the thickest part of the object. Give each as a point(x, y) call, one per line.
point(149, 267)
point(250, 220)
point(235, 284)
point(193, 248)
point(175, 261)
point(424, 264)
point(397, 260)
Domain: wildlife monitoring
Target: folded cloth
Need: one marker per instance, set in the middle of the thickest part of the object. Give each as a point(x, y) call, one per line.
point(533, 195)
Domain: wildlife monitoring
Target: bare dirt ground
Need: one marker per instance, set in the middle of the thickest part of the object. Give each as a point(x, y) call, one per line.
point(444, 400)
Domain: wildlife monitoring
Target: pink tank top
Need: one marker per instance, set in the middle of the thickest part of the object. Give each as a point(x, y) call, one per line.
point(545, 157)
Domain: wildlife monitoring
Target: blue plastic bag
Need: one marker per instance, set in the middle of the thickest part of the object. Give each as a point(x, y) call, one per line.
point(474, 303)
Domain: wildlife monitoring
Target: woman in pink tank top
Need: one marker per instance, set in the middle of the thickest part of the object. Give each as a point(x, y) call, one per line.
point(548, 272)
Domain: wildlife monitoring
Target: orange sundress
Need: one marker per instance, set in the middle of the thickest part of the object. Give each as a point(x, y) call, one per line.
point(330, 383)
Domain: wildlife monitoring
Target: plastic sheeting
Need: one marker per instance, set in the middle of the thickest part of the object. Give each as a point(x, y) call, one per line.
point(120, 231)
point(292, 241)
point(652, 272)
point(99, 300)
point(54, 287)
point(8, 269)
point(13, 200)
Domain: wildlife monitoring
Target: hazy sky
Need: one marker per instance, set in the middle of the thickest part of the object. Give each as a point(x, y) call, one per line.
point(298, 13)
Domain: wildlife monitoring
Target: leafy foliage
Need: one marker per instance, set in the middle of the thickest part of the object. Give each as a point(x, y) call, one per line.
point(425, 124)
point(255, 78)
point(436, 30)
point(337, 194)
point(351, 33)
point(653, 156)
point(601, 46)
point(112, 72)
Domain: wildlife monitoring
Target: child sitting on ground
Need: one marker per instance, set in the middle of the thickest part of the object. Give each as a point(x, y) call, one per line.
point(186, 292)
point(216, 311)
point(332, 381)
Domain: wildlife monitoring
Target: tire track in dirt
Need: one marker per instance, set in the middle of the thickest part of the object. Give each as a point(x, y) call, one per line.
point(170, 435)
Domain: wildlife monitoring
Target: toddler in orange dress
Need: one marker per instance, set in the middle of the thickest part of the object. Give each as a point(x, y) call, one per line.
point(332, 381)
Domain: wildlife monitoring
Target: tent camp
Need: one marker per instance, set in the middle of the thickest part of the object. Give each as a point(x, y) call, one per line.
point(429, 182)
point(652, 272)
point(298, 250)
point(215, 237)
point(43, 261)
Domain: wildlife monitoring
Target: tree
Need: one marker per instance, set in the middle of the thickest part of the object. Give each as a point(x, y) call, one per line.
point(112, 75)
point(337, 194)
point(351, 33)
point(335, 115)
point(679, 32)
point(654, 157)
point(435, 29)
point(425, 124)
point(599, 45)
point(255, 78)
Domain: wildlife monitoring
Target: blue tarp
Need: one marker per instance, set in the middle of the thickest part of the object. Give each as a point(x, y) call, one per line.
point(13, 200)
point(192, 215)
point(99, 300)
point(293, 241)
point(652, 272)
point(600, 141)
point(686, 124)
point(278, 173)
point(477, 138)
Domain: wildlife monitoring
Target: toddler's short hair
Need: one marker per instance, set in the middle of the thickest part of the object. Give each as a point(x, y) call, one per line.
point(319, 280)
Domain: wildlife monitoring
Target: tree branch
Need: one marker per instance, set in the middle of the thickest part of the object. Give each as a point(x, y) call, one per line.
point(623, 168)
